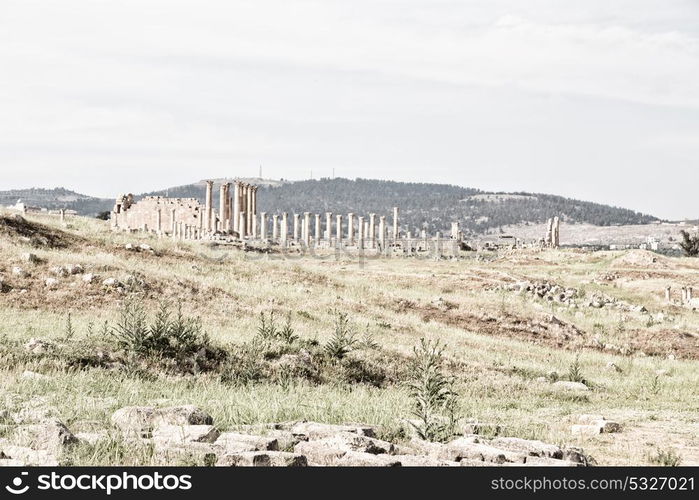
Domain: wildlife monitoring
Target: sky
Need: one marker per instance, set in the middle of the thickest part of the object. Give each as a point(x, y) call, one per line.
point(594, 100)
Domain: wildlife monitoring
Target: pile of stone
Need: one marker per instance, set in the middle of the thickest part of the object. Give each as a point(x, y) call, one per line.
point(186, 434)
point(187, 431)
point(544, 290)
point(593, 425)
point(599, 300)
point(552, 292)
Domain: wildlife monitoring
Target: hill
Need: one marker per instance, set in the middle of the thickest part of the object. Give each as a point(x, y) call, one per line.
point(57, 198)
point(428, 205)
point(433, 206)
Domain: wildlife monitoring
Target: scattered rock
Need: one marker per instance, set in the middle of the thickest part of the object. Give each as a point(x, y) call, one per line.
point(315, 430)
point(18, 271)
point(27, 456)
point(50, 435)
point(181, 434)
point(235, 442)
point(111, 282)
point(30, 257)
point(74, 269)
point(262, 459)
point(182, 415)
point(59, 271)
point(51, 283)
point(38, 346)
point(89, 277)
point(531, 448)
point(134, 420)
point(141, 420)
point(92, 437)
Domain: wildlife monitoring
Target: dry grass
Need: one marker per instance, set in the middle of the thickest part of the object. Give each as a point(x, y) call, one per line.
point(499, 343)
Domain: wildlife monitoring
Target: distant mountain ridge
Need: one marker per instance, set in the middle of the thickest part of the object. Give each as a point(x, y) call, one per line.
point(422, 205)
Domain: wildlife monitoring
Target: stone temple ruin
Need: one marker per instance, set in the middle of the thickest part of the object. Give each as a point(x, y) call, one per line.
point(237, 219)
point(186, 218)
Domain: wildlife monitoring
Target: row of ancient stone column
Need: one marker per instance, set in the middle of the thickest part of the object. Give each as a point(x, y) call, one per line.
point(237, 211)
point(686, 294)
point(308, 228)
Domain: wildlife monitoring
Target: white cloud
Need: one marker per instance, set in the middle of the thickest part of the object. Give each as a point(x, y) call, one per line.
point(154, 86)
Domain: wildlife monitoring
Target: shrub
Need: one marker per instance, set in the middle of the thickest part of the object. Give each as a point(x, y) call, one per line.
point(432, 393)
point(575, 371)
point(168, 336)
point(343, 338)
point(690, 244)
point(287, 332)
point(268, 327)
point(665, 458)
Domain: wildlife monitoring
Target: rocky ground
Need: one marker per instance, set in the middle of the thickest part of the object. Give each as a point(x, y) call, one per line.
point(187, 434)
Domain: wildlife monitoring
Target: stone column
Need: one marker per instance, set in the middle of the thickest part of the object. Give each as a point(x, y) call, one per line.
point(254, 199)
point(438, 244)
point(62, 214)
point(159, 221)
point(254, 227)
point(229, 208)
point(338, 236)
point(372, 230)
point(172, 221)
point(180, 230)
point(296, 227)
point(263, 226)
point(285, 227)
point(243, 232)
point(209, 204)
point(360, 232)
point(350, 229)
point(549, 233)
point(366, 232)
point(275, 227)
point(668, 294)
point(454, 230)
point(222, 205)
point(556, 232)
point(307, 228)
point(396, 229)
point(328, 226)
point(236, 207)
point(248, 209)
point(317, 230)
point(382, 232)
point(690, 293)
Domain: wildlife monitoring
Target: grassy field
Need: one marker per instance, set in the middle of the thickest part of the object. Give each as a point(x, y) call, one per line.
point(504, 348)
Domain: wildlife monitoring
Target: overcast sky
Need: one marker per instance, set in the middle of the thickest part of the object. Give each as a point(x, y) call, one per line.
point(594, 99)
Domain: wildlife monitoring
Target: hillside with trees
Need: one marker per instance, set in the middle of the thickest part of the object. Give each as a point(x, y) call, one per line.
point(422, 205)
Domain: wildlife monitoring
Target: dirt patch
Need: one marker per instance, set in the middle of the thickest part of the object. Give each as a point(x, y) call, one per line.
point(642, 258)
point(38, 235)
point(553, 332)
point(682, 345)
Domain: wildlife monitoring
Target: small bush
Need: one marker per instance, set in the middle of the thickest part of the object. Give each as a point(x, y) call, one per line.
point(168, 337)
point(665, 458)
point(343, 338)
point(690, 244)
point(432, 393)
point(287, 332)
point(575, 371)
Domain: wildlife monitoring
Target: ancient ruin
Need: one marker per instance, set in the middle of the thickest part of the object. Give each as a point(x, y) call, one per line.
point(553, 233)
point(236, 219)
